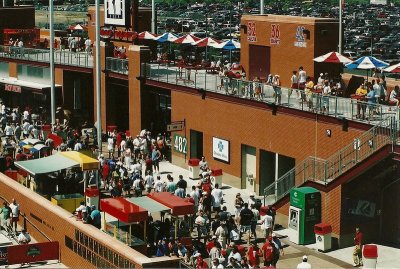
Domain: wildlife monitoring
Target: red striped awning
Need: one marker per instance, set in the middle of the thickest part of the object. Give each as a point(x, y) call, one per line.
point(177, 205)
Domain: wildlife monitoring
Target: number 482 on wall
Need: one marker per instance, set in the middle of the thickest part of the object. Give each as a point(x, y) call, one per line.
point(180, 143)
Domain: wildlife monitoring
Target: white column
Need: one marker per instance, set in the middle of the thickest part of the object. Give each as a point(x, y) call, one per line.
point(52, 76)
point(261, 7)
point(153, 16)
point(340, 26)
point(276, 173)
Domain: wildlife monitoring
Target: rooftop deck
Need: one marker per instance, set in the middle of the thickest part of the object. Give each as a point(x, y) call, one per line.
point(334, 106)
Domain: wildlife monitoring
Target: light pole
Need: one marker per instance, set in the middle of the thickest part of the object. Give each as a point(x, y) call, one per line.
point(98, 76)
point(52, 76)
point(340, 26)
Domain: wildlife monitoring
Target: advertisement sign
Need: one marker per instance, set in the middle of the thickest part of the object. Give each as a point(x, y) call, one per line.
point(251, 31)
point(115, 13)
point(275, 35)
point(37, 252)
point(12, 88)
point(300, 39)
point(4, 256)
point(180, 144)
point(220, 149)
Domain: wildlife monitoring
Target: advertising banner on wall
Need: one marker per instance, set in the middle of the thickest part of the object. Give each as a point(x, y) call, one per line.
point(220, 149)
point(115, 12)
point(33, 252)
point(4, 256)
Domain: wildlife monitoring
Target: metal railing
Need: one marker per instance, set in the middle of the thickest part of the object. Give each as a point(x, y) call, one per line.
point(62, 57)
point(331, 105)
point(117, 65)
point(325, 171)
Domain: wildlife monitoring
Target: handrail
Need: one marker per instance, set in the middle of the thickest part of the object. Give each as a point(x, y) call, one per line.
point(325, 171)
point(312, 102)
point(26, 219)
point(62, 57)
point(117, 65)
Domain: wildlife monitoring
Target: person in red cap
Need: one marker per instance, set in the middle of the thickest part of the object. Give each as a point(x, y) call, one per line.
point(253, 255)
point(268, 251)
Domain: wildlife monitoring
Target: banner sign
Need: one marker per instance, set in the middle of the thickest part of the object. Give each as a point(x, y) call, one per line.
point(275, 35)
point(180, 144)
point(115, 12)
point(220, 149)
point(33, 252)
point(12, 88)
point(4, 256)
point(300, 40)
point(251, 31)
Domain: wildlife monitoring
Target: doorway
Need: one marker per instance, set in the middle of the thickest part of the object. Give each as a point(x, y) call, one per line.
point(267, 169)
point(196, 144)
point(259, 61)
point(249, 165)
point(117, 104)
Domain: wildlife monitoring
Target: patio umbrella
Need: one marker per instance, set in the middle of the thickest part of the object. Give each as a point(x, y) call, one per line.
point(332, 57)
point(229, 45)
point(393, 69)
point(206, 42)
point(187, 39)
point(78, 27)
point(367, 63)
point(166, 37)
point(146, 35)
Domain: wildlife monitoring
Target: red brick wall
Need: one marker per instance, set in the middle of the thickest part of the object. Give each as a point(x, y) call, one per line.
point(56, 223)
point(285, 134)
point(286, 57)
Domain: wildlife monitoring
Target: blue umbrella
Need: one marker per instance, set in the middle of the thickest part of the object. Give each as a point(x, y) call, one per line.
point(367, 62)
point(166, 37)
point(228, 45)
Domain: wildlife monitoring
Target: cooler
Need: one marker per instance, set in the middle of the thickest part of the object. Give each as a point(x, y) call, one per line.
point(194, 168)
point(323, 236)
point(92, 194)
point(217, 174)
point(370, 256)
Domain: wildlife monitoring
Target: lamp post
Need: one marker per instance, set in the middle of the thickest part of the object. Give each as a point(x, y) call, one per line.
point(52, 75)
point(98, 77)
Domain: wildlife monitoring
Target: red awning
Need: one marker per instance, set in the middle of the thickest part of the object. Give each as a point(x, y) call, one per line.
point(177, 205)
point(123, 210)
point(56, 139)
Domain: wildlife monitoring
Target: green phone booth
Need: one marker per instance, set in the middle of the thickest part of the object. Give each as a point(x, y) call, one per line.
point(304, 213)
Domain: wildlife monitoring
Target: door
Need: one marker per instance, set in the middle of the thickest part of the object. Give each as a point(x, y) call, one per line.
point(259, 61)
point(196, 144)
point(267, 169)
point(249, 164)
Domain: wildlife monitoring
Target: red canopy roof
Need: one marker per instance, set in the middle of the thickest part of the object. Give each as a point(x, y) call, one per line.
point(178, 205)
point(123, 210)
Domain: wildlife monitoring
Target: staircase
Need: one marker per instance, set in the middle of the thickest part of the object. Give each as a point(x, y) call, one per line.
point(324, 172)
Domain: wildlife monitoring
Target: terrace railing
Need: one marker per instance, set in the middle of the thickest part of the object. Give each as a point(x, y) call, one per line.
point(331, 105)
point(325, 171)
point(117, 65)
point(62, 57)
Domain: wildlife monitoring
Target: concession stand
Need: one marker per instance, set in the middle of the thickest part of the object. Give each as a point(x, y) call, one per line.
point(178, 206)
point(127, 214)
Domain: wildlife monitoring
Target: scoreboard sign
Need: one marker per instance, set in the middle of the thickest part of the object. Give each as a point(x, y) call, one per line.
point(275, 35)
point(12, 88)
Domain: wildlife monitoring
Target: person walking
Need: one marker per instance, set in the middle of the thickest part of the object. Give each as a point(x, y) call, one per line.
point(304, 264)
point(357, 255)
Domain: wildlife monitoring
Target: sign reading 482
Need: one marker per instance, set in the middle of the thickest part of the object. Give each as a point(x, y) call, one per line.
point(180, 143)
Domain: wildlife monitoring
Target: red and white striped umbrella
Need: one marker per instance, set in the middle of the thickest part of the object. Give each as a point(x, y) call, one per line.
point(332, 57)
point(146, 35)
point(393, 69)
point(187, 39)
point(207, 42)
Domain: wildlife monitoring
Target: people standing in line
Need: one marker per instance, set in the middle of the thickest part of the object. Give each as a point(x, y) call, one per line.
point(304, 264)
point(358, 242)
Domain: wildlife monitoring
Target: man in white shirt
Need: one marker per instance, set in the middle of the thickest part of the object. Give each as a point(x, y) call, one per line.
point(267, 224)
point(137, 187)
point(252, 199)
point(148, 182)
point(88, 45)
point(304, 264)
point(159, 186)
point(24, 237)
point(216, 195)
point(203, 164)
point(302, 78)
point(78, 146)
point(14, 213)
point(9, 130)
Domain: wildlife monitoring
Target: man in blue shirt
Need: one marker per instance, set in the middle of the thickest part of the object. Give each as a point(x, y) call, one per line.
point(95, 217)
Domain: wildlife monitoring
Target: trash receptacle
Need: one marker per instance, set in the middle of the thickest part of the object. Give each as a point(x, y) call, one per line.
point(370, 256)
point(216, 173)
point(323, 236)
point(194, 168)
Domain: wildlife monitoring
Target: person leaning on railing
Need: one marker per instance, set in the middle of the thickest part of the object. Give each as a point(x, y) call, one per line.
point(360, 95)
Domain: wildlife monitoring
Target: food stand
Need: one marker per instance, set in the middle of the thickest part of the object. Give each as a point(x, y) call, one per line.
point(126, 214)
point(177, 205)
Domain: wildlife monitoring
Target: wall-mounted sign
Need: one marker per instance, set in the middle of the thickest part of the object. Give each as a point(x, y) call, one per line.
point(12, 88)
point(251, 31)
point(115, 12)
point(180, 144)
point(300, 39)
point(275, 35)
point(220, 149)
point(4, 256)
